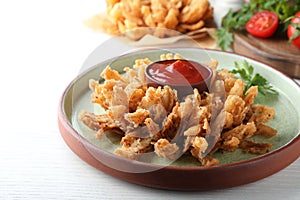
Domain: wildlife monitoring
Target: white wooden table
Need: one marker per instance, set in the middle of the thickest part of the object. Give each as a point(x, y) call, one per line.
point(43, 45)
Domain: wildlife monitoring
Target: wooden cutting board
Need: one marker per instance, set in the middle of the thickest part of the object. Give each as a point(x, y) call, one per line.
point(275, 51)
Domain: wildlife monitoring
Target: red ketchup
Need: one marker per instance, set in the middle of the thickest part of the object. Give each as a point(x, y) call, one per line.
point(179, 74)
point(176, 72)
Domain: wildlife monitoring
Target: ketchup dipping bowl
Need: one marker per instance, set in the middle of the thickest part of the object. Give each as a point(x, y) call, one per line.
point(181, 75)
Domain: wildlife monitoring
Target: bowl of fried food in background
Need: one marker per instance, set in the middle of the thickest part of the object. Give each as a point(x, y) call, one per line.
point(161, 19)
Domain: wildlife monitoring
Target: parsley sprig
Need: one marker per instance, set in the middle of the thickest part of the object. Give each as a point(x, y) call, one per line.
point(237, 20)
point(246, 73)
point(233, 21)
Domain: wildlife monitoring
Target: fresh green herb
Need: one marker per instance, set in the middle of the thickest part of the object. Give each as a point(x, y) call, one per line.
point(237, 20)
point(225, 38)
point(246, 73)
point(283, 8)
point(232, 21)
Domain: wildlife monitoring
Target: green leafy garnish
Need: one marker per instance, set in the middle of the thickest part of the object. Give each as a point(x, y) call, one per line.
point(246, 73)
point(237, 20)
point(232, 21)
point(225, 38)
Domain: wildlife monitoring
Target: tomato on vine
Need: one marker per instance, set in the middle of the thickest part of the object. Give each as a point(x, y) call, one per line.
point(293, 30)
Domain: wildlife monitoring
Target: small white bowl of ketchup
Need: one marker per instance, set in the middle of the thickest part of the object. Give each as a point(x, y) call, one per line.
point(181, 75)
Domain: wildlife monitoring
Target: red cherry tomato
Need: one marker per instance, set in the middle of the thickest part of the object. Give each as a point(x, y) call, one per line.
point(263, 24)
point(291, 30)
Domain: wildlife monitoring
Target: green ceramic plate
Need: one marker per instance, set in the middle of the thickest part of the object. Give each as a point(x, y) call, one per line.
point(287, 119)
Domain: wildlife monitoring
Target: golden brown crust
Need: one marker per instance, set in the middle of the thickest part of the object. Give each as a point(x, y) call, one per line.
point(164, 148)
point(153, 118)
point(255, 148)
